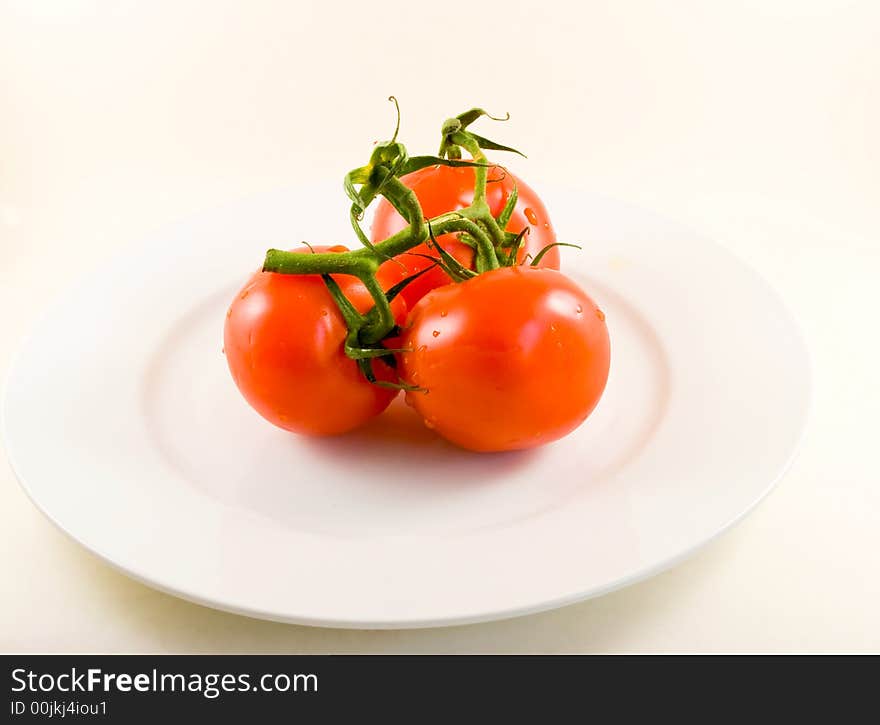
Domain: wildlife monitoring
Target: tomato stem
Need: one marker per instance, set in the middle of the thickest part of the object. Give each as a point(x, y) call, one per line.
point(380, 177)
point(479, 208)
point(463, 139)
point(380, 320)
point(407, 204)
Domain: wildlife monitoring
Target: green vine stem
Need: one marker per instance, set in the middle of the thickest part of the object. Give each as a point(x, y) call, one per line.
point(479, 208)
point(381, 177)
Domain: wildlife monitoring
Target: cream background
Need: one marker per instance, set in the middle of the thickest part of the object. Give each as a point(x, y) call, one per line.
point(756, 121)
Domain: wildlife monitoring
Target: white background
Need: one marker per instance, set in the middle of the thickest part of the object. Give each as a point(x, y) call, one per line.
point(756, 121)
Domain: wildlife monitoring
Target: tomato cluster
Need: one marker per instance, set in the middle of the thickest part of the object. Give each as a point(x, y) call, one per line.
point(493, 356)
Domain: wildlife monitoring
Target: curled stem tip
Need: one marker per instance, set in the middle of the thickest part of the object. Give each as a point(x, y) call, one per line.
point(397, 108)
point(499, 118)
point(468, 117)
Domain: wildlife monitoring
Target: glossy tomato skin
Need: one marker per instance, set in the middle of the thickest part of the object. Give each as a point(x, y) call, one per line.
point(442, 189)
point(512, 359)
point(283, 340)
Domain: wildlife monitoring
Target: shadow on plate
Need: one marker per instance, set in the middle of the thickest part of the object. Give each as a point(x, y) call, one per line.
point(398, 439)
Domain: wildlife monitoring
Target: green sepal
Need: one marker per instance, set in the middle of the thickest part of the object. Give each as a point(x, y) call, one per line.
point(399, 385)
point(353, 318)
point(450, 264)
point(387, 167)
point(515, 247)
point(355, 218)
point(540, 255)
point(356, 176)
point(459, 273)
point(485, 143)
point(369, 353)
point(416, 163)
point(504, 217)
point(386, 162)
point(400, 286)
point(509, 239)
point(387, 153)
point(390, 156)
point(366, 367)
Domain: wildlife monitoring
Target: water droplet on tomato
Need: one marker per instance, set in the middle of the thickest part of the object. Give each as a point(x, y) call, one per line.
point(229, 312)
point(324, 313)
point(600, 314)
point(553, 327)
point(443, 313)
point(530, 215)
point(579, 309)
point(429, 424)
point(408, 400)
point(245, 293)
point(436, 333)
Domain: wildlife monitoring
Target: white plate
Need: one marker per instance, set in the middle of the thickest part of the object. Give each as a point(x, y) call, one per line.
point(123, 425)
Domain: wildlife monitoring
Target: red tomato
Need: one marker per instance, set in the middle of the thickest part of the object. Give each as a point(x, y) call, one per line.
point(514, 358)
point(442, 189)
point(284, 338)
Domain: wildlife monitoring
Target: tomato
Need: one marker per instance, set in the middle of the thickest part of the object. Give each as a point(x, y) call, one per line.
point(442, 189)
point(283, 340)
point(511, 359)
